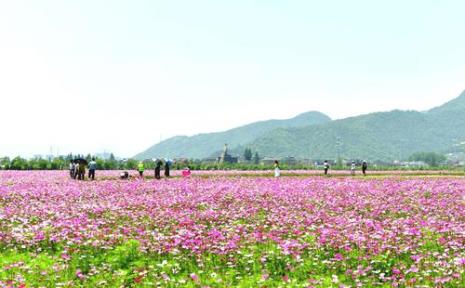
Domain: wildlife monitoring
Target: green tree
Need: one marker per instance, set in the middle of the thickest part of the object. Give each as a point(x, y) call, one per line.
point(431, 158)
point(39, 164)
point(248, 154)
point(5, 163)
point(58, 163)
point(131, 164)
point(19, 163)
point(256, 158)
point(100, 163)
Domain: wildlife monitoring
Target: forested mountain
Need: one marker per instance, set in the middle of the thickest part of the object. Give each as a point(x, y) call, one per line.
point(206, 145)
point(376, 136)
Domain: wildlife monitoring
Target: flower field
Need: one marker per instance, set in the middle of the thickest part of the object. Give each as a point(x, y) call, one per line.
point(228, 230)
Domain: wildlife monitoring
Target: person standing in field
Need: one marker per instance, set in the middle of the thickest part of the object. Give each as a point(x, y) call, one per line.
point(92, 167)
point(72, 169)
point(140, 168)
point(326, 167)
point(167, 168)
point(352, 168)
point(277, 172)
point(364, 168)
point(157, 169)
point(76, 171)
point(81, 171)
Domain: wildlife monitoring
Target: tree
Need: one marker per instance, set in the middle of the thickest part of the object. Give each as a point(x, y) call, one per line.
point(256, 158)
point(248, 154)
point(431, 158)
point(19, 163)
point(5, 163)
point(58, 163)
point(131, 164)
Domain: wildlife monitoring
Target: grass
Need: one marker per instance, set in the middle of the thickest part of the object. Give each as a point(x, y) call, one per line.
point(264, 265)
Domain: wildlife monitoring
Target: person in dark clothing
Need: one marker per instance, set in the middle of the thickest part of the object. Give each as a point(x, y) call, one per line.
point(81, 171)
point(72, 169)
point(167, 168)
point(157, 169)
point(326, 167)
point(92, 167)
point(364, 168)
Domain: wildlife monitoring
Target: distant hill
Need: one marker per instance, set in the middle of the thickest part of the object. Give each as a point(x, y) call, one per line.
point(376, 136)
point(457, 104)
point(206, 145)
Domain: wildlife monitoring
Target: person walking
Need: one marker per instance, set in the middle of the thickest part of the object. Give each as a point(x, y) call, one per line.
point(167, 168)
point(364, 168)
point(140, 168)
point(72, 169)
point(352, 168)
point(157, 169)
point(326, 166)
point(92, 167)
point(277, 172)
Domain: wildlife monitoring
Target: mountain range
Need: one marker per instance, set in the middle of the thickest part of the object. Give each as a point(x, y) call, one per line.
point(376, 136)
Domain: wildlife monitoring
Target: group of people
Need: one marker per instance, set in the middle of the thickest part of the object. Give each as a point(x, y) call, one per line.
point(77, 169)
point(158, 166)
point(353, 166)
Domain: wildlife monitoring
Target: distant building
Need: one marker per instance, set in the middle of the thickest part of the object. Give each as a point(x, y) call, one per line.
point(268, 160)
point(289, 160)
point(413, 164)
point(225, 157)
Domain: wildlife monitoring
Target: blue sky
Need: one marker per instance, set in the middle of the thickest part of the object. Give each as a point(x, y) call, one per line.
point(88, 76)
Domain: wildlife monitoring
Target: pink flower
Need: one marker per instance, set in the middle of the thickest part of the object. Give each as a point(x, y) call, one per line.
point(79, 275)
point(285, 278)
point(194, 277)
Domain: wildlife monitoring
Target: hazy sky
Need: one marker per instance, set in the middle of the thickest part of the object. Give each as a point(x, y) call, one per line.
point(87, 76)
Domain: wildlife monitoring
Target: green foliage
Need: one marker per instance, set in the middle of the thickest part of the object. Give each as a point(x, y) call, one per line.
point(248, 154)
point(256, 158)
point(258, 265)
point(5, 163)
point(19, 163)
point(125, 255)
point(431, 158)
point(62, 162)
point(131, 164)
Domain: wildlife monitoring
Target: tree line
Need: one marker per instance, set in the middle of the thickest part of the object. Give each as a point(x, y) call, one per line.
point(252, 162)
point(62, 162)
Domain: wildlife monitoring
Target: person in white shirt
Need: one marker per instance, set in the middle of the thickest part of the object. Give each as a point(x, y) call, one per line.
point(277, 172)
